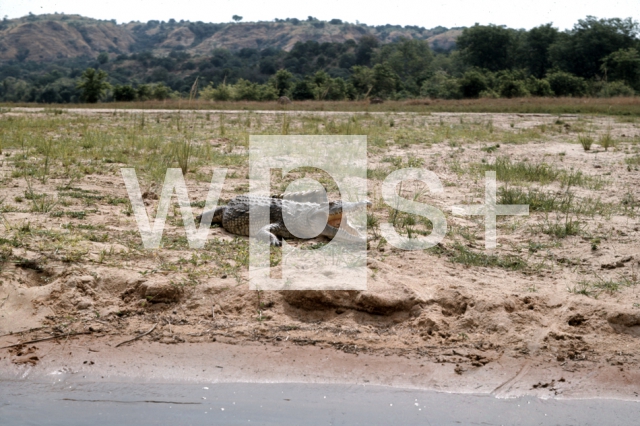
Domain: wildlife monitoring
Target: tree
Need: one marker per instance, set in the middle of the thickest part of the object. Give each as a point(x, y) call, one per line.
point(362, 79)
point(624, 65)
point(410, 60)
point(486, 46)
point(537, 42)
point(103, 58)
point(581, 50)
point(365, 49)
point(282, 81)
point(385, 80)
point(237, 18)
point(93, 85)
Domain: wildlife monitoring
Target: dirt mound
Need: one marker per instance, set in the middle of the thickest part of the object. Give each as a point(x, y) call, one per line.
point(363, 301)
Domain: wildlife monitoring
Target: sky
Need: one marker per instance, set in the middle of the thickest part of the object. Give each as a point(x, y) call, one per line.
point(424, 13)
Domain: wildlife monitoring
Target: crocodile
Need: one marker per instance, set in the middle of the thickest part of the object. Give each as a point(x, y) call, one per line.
point(298, 215)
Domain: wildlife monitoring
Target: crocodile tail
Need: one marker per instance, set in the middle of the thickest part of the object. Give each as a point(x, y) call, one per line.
point(215, 214)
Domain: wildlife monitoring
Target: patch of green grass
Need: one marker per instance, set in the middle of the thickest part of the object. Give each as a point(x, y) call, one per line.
point(586, 142)
point(607, 141)
point(490, 148)
point(461, 254)
point(562, 228)
point(542, 173)
point(536, 199)
point(549, 201)
point(40, 203)
point(633, 161)
point(593, 288)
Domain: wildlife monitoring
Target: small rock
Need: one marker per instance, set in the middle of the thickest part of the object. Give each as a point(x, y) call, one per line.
point(84, 304)
point(160, 292)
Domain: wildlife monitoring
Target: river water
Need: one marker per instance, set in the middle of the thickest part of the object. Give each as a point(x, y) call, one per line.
point(68, 404)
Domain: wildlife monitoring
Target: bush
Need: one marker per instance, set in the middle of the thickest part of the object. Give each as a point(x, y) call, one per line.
point(302, 90)
point(124, 93)
point(212, 93)
point(245, 90)
point(510, 88)
point(143, 92)
point(489, 94)
point(472, 83)
point(440, 86)
point(611, 89)
point(539, 87)
point(335, 89)
point(565, 84)
point(161, 92)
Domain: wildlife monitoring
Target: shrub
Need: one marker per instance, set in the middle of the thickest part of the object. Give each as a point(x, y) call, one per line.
point(161, 92)
point(472, 83)
point(220, 93)
point(124, 93)
point(245, 90)
point(565, 84)
point(539, 87)
point(441, 86)
point(143, 92)
point(489, 94)
point(612, 89)
point(510, 88)
point(302, 90)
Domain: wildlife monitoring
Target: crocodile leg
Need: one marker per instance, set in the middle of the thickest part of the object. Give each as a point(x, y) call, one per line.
point(269, 233)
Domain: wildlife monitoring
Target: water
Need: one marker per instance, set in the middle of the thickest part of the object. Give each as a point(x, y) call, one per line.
point(104, 404)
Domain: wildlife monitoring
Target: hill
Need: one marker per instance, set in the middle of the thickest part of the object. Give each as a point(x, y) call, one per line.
point(42, 38)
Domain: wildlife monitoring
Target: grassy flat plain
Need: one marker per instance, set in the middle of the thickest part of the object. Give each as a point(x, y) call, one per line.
point(561, 287)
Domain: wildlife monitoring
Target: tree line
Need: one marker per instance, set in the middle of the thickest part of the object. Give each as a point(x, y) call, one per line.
point(597, 57)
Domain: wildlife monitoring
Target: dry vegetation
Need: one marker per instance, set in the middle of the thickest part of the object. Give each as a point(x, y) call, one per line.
point(562, 286)
point(622, 106)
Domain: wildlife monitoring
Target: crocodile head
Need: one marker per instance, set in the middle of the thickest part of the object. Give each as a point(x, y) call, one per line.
point(311, 219)
point(343, 230)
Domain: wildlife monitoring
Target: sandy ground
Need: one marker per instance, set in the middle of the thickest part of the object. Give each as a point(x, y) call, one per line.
point(425, 321)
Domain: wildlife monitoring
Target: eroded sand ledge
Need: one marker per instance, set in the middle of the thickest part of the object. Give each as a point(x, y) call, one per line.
point(96, 359)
